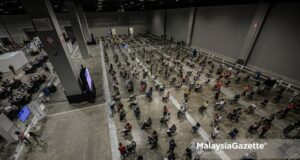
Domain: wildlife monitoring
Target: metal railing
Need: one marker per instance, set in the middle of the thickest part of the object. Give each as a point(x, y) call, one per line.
point(290, 87)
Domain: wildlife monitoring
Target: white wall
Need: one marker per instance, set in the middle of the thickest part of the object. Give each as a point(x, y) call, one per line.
point(222, 29)
point(157, 22)
point(177, 23)
point(277, 48)
point(100, 23)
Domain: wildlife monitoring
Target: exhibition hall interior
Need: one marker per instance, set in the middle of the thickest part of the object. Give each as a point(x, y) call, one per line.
point(149, 79)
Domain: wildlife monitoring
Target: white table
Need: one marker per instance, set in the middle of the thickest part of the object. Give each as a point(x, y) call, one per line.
point(16, 59)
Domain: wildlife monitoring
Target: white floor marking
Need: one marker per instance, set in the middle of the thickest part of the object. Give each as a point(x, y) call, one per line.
point(111, 124)
point(201, 131)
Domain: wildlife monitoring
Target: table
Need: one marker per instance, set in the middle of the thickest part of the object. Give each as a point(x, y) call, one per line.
point(16, 59)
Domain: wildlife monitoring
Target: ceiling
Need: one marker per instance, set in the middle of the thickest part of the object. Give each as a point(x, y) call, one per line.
point(11, 7)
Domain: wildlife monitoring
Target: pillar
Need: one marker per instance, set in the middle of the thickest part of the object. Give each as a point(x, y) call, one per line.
point(191, 23)
point(77, 28)
point(47, 28)
point(253, 32)
point(83, 22)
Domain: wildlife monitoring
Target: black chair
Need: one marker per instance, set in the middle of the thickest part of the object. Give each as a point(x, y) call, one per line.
point(196, 127)
point(233, 133)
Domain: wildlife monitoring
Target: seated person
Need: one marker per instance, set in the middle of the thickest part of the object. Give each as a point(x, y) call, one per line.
point(235, 99)
point(206, 82)
point(165, 118)
point(178, 85)
point(131, 147)
point(122, 114)
point(132, 98)
point(235, 114)
point(147, 123)
point(253, 128)
point(166, 97)
point(123, 150)
point(149, 93)
point(203, 107)
point(171, 130)
point(153, 139)
point(133, 104)
point(181, 112)
point(217, 118)
point(161, 88)
point(251, 108)
point(220, 105)
point(265, 102)
point(198, 88)
point(127, 129)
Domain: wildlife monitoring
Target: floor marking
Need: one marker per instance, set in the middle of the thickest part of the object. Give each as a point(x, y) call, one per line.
point(111, 124)
point(201, 131)
point(74, 110)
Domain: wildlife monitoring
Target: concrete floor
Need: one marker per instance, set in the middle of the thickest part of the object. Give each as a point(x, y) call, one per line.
point(81, 131)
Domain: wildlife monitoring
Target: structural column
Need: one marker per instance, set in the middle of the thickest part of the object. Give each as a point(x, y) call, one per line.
point(77, 28)
point(190, 28)
point(83, 22)
point(47, 28)
point(253, 32)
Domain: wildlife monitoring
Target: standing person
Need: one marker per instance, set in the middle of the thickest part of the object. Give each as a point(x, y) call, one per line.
point(172, 146)
point(215, 132)
point(12, 69)
point(264, 130)
point(22, 137)
point(112, 107)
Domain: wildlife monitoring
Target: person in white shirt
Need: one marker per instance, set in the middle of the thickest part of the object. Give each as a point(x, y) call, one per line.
point(215, 132)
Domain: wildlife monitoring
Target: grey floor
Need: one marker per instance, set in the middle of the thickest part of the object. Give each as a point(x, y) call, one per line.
point(81, 131)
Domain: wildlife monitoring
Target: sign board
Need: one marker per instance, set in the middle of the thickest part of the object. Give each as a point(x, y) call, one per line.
point(43, 24)
point(24, 113)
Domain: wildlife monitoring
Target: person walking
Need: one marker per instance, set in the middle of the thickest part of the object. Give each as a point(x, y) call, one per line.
point(112, 107)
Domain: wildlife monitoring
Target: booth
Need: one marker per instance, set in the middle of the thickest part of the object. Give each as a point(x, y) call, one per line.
point(17, 59)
